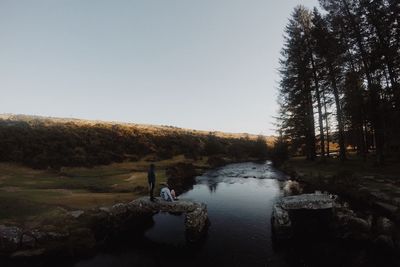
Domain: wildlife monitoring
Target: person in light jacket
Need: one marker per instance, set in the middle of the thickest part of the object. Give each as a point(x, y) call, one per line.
point(167, 194)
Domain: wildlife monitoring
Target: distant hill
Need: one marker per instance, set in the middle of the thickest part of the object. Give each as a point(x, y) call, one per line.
point(145, 127)
point(43, 142)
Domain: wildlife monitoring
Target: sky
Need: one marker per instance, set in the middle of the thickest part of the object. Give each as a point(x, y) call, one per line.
point(200, 64)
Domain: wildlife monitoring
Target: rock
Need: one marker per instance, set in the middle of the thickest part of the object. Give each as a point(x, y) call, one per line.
point(196, 222)
point(28, 241)
point(76, 213)
point(97, 225)
point(384, 242)
point(281, 224)
point(292, 188)
point(308, 201)
point(56, 236)
point(28, 253)
point(38, 235)
point(396, 216)
point(385, 226)
point(388, 208)
point(118, 209)
point(105, 209)
point(10, 237)
point(196, 219)
point(359, 224)
point(293, 212)
point(281, 215)
point(196, 213)
point(355, 236)
point(82, 240)
point(349, 220)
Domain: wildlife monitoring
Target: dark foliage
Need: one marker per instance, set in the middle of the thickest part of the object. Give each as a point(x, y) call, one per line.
point(342, 68)
point(44, 143)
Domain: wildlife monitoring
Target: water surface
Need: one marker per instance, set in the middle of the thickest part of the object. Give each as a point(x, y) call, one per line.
point(239, 200)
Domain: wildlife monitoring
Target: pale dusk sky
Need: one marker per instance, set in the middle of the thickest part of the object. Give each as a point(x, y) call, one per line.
point(201, 64)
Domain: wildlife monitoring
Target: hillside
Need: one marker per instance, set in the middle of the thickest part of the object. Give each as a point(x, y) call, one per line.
point(43, 142)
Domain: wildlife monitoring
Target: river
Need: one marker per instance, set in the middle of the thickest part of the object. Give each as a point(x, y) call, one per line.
point(239, 200)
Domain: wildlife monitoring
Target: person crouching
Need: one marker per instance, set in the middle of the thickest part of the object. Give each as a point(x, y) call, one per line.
point(167, 194)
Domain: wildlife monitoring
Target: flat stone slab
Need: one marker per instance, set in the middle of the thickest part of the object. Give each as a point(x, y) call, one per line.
point(144, 204)
point(307, 201)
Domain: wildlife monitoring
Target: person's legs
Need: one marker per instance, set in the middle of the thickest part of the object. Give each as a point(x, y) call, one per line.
point(151, 187)
point(173, 194)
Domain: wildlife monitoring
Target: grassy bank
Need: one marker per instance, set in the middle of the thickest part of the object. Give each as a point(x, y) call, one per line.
point(354, 165)
point(359, 180)
point(28, 195)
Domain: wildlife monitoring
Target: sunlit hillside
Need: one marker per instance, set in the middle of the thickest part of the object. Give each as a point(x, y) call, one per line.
point(43, 142)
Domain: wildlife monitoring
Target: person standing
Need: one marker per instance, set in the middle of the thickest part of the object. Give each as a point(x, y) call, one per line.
point(151, 178)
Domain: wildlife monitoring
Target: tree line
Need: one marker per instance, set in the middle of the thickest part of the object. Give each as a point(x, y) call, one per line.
point(46, 143)
point(339, 69)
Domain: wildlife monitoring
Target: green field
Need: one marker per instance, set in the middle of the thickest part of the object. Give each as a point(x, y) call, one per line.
point(28, 196)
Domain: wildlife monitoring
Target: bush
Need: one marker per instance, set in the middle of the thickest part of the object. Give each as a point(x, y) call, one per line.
point(280, 152)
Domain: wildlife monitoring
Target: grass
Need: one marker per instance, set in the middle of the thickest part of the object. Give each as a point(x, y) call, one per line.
point(358, 179)
point(27, 194)
point(354, 164)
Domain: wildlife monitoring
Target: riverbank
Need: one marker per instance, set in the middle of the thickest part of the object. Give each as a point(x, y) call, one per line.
point(363, 182)
point(370, 210)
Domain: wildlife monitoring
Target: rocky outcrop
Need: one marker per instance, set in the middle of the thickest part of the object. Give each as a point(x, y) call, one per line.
point(86, 229)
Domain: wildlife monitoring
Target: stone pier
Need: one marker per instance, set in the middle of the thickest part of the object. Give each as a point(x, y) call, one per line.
point(282, 224)
point(84, 229)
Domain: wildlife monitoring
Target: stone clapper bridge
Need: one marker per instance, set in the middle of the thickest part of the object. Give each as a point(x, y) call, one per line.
point(196, 218)
point(91, 226)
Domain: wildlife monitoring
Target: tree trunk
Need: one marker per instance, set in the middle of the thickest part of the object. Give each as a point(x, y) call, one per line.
point(320, 118)
point(326, 125)
point(342, 147)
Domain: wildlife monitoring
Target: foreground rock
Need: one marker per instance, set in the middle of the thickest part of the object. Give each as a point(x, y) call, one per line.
point(83, 231)
point(287, 211)
point(319, 216)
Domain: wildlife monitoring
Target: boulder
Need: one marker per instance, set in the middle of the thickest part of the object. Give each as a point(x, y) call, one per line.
point(28, 241)
point(10, 238)
point(118, 209)
point(76, 213)
point(385, 226)
point(347, 219)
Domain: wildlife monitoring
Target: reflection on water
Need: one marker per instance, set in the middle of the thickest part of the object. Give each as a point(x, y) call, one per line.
point(239, 209)
point(239, 199)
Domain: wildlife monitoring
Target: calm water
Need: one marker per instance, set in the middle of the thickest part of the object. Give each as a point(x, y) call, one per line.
point(239, 200)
